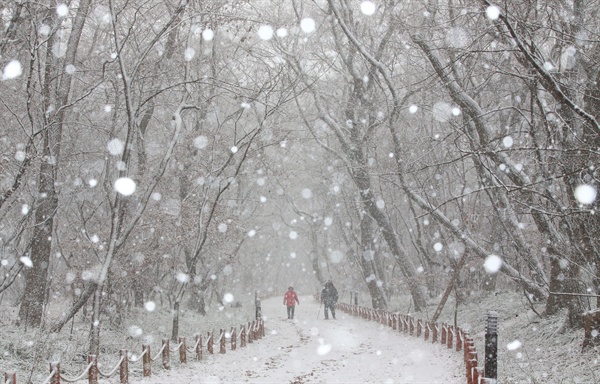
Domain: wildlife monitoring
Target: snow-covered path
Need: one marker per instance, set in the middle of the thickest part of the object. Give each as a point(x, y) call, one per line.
point(310, 350)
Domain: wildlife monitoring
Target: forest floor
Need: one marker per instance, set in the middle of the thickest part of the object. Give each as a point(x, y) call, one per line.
point(531, 349)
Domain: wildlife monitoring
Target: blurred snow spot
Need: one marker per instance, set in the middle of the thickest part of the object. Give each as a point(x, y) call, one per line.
point(263, 199)
point(282, 32)
point(70, 69)
point(135, 331)
point(413, 109)
point(189, 53)
point(12, 70)
point(25, 209)
point(380, 204)
point(125, 186)
point(251, 233)
point(420, 269)
point(201, 142)
point(208, 34)
point(323, 348)
point(367, 8)
point(438, 247)
point(156, 196)
point(507, 142)
point(328, 221)
point(492, 12)
point(234, 149)
point(182, 277)
point(307, 25)
point(306, 193)
point(20, 156)
point(26, 261)
point(514, 345)
point(293, 235)
point(107, 108)
point(492, 264)
point(149, 306)
point(336, 256)
point(265, 32)
point(228, 298)
point(62, 10)
point(222, 227)
point(95, 238)
point(115, 147)
point(585, 194)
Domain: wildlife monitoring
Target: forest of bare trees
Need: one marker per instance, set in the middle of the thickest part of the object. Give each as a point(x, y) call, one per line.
point(394, 149)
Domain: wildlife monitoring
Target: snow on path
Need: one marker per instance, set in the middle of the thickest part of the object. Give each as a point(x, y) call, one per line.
point(308, 350)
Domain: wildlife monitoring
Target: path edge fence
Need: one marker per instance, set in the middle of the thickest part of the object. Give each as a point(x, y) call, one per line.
point(448, 335)
point(248, 333)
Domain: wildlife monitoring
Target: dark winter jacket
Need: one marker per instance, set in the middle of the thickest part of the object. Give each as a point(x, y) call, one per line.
point(329, 295)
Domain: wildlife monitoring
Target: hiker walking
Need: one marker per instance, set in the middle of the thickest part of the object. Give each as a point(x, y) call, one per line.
point(290, 299)
point(329, 297)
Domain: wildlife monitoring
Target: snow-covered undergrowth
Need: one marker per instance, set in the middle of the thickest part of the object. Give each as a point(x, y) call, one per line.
point(531, 349)
point(30, 352)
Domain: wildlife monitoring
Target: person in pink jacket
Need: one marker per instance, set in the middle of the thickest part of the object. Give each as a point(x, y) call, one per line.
point(290, 299)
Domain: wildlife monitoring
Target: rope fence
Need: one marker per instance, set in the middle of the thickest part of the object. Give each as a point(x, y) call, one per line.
point(449, 335)
point(248, 333)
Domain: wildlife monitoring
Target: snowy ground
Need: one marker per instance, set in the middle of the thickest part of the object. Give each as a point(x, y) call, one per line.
point(313, 350)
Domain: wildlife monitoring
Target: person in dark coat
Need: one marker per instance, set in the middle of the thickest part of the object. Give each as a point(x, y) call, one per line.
point(329, 297)
point(290, 299)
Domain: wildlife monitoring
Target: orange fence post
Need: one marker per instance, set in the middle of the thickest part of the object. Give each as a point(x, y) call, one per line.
point(209, 343)
point(124, 367)
point(93, 372)
point(222, 348)
point(243, 335)
point(444, 331)
point(198, 347)
point(10, 377)
point(233, 338)
point(55, 367)
point(182, 351)
point(166, 354)
point(146, 361)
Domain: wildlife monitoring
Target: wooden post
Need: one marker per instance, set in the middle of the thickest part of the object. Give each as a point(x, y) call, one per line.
point(444, 330)
point(209, 343)
point(222, 348)
point(459, 339)
point(10, 377)
point(93, 372)
point(419, 327)
point(434, 331)
point(449, 336)
point(146, 361)
point(198, 347)
point(491, 346)
point(426, 336)
point(243, 335)
point(233, 338)
point(182, 351)
point(412, 325)
point(166, 354)
point(55, 367)
point(124, 367)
